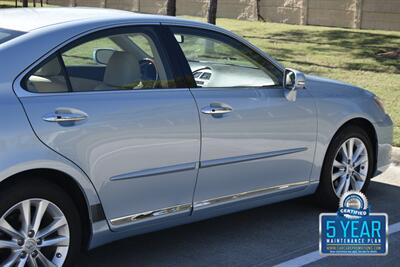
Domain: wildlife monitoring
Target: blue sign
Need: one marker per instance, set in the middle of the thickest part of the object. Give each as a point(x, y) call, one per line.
point(353, 230)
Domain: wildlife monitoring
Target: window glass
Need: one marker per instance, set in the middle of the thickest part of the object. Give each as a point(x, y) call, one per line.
point(205, 49)
point(49, 78)
point(83, 54)
point(7, 35)
point(127, 61)
point(220, 61)
point(142, 42)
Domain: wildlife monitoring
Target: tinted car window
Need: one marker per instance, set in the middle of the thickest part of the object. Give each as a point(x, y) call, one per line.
point(49, 78)
point(113, 61)
point(7, 35)
point(217, 60)
point(83, 54)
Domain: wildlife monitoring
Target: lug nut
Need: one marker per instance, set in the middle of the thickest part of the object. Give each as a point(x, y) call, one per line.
point(34, 254)
point(22, 255)
point(20, 242)
point(31, 233)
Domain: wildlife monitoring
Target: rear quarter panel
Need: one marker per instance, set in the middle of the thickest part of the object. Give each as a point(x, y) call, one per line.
point(21, 150)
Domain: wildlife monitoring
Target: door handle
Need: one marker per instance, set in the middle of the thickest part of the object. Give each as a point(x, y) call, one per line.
point(216, 110)
point(64, 117)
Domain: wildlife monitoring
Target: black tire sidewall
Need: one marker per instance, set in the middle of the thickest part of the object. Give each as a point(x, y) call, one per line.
point(325, 192)
point(37, 188)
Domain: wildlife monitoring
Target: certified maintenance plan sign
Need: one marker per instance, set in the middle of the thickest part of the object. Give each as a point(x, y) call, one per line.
point(353, 230)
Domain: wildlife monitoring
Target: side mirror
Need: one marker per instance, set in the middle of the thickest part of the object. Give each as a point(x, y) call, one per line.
point(102, 55)
point(293, 80)
point(179, 38)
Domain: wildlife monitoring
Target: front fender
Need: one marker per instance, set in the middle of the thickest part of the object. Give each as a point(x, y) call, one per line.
point(338, 103)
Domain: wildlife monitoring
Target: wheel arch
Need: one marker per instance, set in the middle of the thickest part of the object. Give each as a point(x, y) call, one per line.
point(66, 182)
point(369, 128)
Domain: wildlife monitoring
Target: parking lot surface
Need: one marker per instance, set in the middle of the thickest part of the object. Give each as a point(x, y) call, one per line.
point(264, 236)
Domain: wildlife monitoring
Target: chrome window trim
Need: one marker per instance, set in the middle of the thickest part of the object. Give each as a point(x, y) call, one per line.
point(98, 92)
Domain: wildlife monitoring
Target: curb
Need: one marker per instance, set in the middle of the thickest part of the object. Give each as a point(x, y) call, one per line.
point(396, 155)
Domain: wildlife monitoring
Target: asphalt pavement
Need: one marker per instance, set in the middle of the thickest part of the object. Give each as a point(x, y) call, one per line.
point(275, 234)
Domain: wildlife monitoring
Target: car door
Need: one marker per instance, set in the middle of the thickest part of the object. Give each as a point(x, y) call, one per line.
point(254, 141)
point(134, 131)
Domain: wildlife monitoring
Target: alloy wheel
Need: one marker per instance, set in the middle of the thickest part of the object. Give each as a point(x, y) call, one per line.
point(350, 166)
point(34, 232)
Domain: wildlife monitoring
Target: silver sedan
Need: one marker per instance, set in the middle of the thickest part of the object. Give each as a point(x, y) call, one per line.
point(117, 124)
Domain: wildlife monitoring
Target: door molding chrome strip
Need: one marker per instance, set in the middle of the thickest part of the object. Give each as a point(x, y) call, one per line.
point(187, 207)
point(156, 171)
point(150, 214)
point(230, 160)
point(248, 194)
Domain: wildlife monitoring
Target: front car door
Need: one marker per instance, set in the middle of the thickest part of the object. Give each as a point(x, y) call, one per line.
point(254, 141)
point(127, 122)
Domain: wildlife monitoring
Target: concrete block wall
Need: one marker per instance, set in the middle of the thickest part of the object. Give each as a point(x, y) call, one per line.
point(240, 9)
point(338, 13)
point(152, 6)
point(130, 5)
point(192, 7)
point(381, 14)
point(89, 3)
point(62, 2)
point(364, 14)
point(284, 11)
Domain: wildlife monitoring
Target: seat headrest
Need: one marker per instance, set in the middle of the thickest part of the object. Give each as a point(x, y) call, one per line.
point(51, 68)
point(122, 70)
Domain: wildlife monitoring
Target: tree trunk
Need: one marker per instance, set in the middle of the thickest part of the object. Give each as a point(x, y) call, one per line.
point(258, 11)
point(212, 12)
point(72, 3)
point(25, 3)
point(171, 7)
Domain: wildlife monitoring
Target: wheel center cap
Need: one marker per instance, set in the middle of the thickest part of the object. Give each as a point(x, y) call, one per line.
point(349, 169)
point(30, 246)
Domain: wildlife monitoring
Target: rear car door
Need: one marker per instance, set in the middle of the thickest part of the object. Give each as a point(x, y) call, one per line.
point(125, 120)
point(254, 141)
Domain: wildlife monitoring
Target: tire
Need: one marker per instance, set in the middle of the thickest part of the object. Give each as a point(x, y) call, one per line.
point(57, 206)
point(327, 194)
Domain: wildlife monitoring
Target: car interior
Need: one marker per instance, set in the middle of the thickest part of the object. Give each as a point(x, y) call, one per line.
point(217, 64)
point(210, 74)
point(127, 66)
point(132, 61)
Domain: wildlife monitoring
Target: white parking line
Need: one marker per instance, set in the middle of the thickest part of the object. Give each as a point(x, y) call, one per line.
point(302, 260)
point(394, 228)
point(315, 256)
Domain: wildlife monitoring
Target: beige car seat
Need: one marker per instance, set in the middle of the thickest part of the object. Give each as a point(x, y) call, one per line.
point(48, 79)
point(122, 72)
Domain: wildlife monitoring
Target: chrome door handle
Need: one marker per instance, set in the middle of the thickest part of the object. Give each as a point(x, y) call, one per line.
point(216, 110)
point(64, 117)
